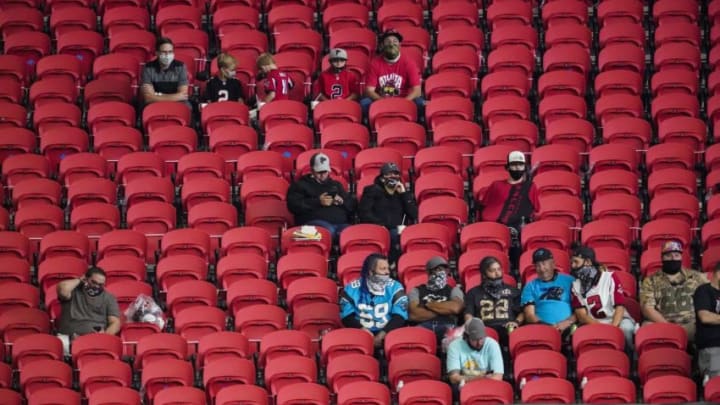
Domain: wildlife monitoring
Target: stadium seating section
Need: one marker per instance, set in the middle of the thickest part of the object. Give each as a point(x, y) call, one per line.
point(615, 102)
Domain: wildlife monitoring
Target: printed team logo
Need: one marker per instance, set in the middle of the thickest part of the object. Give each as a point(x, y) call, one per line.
point(391, 84)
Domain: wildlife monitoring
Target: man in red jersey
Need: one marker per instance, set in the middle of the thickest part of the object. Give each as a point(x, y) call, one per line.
point(392, 75)
point(512, 202)
point(336, 82)
point(277, 83)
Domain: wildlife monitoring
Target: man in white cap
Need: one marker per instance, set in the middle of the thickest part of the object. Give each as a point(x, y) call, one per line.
point(436, 305)
point(337, 82)
point(512, 202)
point(317, 199)
point(474, 356)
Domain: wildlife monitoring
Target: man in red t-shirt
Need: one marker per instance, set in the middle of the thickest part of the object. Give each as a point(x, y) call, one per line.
point(392, 75)
point(336, 82)
point(277, 83)
point(512, 200)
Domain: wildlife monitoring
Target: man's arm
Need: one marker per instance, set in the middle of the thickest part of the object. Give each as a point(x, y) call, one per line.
point(417, 312)
point(618, 315)
point(530, 316)
point(584, 317)
point(653, 314)
point(113, 325)
point(365, 208)
point(66, 287)
point(371, 93)
point(270, 96)
point(151, 96)
point(648, 302)
point(414, 93)
point(451, 307)
point(708, 317)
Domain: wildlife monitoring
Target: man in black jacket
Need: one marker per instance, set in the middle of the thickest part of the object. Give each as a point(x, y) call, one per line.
point(316, 199)
point(386, 202)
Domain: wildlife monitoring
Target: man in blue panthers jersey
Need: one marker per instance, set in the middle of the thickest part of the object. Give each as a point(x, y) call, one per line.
point(374, 302)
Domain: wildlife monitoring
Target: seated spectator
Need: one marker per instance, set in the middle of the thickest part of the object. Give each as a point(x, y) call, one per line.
point(511, 202)
point(546, 299)
point(666, 296)
point(388, 203)
point(374, 302)
point(164, 78)
point(317, 199)
point(707, 335)
point(494, 302)
point(337, 82)
point(436, 305)
point(474, 356)
point(392, 74)
point(598, 296)
point(276, 83)
point(224, 86)
point(86, 307)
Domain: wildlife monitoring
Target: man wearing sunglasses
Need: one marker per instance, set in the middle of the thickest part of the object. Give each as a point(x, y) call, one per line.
point(86, 307)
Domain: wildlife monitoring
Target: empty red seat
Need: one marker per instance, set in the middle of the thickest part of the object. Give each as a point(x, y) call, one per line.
point(256, 321)
point(289, 370)
point(250, 291)
point(449, 211)
point(664, 181)
point(37, 221)
point(345, 15)
point(550, 389)
point(94, 219)
point(623, 207)
point(600, 363)
point(506, 107)
point(163, 374)
point(411, 367)
point(687, 130)
point(179, 268)
point(513, 133)
point(669, 389)
point(43, 374)
point(55, 395)
point(30, 45)
point(52, 90)
point(247, 239)
point(36, 191)
point(622, 56)
point(252, 394)
point(533, 337)
point(675, 204)
point(18, 322)
point(609, 389)
point(654, 336)
point(101, 374)
point(231, 371)
point(391, 109)
point(662, 362)
point(56, 115)
point(677, 55)
point(19, 295)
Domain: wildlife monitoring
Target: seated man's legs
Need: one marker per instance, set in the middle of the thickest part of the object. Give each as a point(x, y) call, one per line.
point(627, 326)
point(325, 224)
point(365, 105)
point(709, 361)
point(420, 104)
point(439, 328)
point(65, 339)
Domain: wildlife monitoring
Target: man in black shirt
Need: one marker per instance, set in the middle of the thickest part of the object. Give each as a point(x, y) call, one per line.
point(436, 305)
point(493, 301)
point(707, 326)
point(165, 78)
point(224, 86)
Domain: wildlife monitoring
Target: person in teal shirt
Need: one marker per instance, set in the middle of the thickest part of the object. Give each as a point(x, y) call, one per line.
point(474, 356)
point(547, 299)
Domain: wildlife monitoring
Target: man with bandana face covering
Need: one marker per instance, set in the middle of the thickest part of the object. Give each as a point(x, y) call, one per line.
point(392, 74)
point(86, 307)
point(374, 302)
point(165, 78)
point(667, 295)
point(598, 296)
point(493, 301)
point(435, 305)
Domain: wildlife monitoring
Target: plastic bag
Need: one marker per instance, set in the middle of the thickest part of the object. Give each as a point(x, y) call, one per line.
point(144, 309)
point(451, 335)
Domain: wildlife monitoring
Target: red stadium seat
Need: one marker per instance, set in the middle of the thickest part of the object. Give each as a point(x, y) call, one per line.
point(250, 292)
point(164, 374)
point(305, 41)
point(91, 348)
point(298, 265)
point(36, 347)
point(56, 115)
point(592, 337)
point(675, 204)
point(669, 389)
point(448, 84)
point(539, 364)
point(344, 341)
point(12, 115)
point(405, 137)
point(43, 374)
point(609, 390)
point(546, 233)
point(30, 46)
point(575, 132)
point(677, 55)
point(448, 108)
point(288, 370)
point(610, 233)
point(562, 208)
point(306, 393)
point(56, 269)
point(365, 237)
point(616, 155)
point(352, 369)
point(656, 335)
point(221, 345)
point(58, 143)
point(411, 367)
point(60, 66)
point(289, 17)
point(159, 347)
point(196, 192)
point(345, 15)
point(613, 82)
point(64, 243)
point(424, 390)
point(686, 130)
point(55, 395)
point(387, 110)
point(195, 322)
point(14, 270)
point(438, 184)
point(618, 206)
point(409, 340)
point(256, 321)
point(363, 392)
point(188, 395)
point(281, 343)
point(464, 136)
point(138, 165)
point(447, 15)
point(36, 192)
point(251, 394)
point(549, 390)
point(349, 265)
point(14, 245)
point(282, 112)
point(602, 363)
point(37, 221)
point(515, 134)
point(109, 396)
point(231, 371)
point(101, 374)
point(347, 138)
point(662, 362)
point(613, 181)
point(533, 337)
point(247, 239)
point(18, 141)
point(94, 219)
point(80, 166)
point(18, 322)
point(449, 211)
point(309, 290)
point(557, 183)
point(316, 319)
point(190, 293)
point(502, 108)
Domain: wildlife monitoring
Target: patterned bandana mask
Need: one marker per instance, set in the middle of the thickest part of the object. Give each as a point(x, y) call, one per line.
point(437, 281)
point(586, 275)
point(376, 283)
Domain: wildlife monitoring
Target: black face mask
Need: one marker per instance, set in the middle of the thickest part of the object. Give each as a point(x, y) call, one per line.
point(516, 174)
point(93, 291)
point(493, 286)
point(671, 266)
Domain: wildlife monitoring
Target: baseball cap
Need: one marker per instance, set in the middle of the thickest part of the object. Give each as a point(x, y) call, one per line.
point(434, 262)
point(541, 254)
point(388, 168)
point(475, 329)
point(337, 53)
point(672, 246)
point(320, 162)
point(585, 252)
point(516, 157)
point(391, 33)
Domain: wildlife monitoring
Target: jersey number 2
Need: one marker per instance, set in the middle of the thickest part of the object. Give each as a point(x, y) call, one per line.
point(595, 304)
point(336, 91)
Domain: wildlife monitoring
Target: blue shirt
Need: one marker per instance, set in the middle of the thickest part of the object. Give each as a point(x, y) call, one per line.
point(462, 358)
point(373, 311)
point(551, 298)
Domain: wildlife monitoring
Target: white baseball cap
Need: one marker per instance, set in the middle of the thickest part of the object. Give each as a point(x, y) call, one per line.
point(516, 157)
point(320, 162)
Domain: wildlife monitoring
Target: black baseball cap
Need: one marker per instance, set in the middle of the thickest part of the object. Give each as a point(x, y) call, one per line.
point(541, 254)
point(391, 33)
point(585, 252)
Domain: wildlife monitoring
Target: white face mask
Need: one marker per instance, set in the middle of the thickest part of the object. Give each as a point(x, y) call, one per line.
point(166, 58)
point(230, 74)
